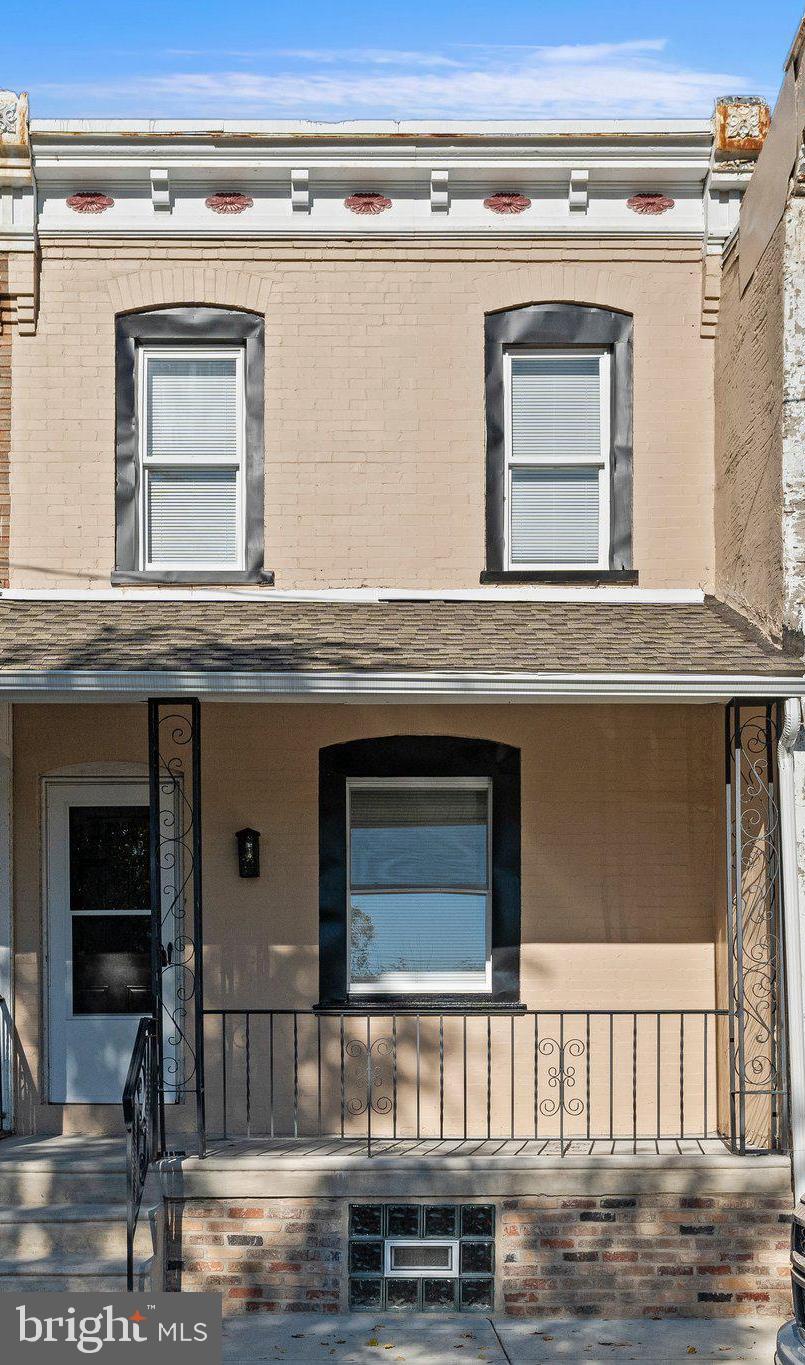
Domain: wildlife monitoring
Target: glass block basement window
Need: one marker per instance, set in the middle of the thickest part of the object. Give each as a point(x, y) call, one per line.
point(455, 1240)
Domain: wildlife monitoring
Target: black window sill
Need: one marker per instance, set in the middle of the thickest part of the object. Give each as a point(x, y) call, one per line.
point(189, 578)
point(424, 1004)
point(591, 577)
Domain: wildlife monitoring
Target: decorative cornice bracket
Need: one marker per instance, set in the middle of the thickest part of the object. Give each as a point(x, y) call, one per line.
point(440, 191)
point(160, 190)
point(300, 190)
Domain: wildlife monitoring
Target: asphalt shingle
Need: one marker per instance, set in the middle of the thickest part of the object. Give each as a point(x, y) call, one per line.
point(400, 636)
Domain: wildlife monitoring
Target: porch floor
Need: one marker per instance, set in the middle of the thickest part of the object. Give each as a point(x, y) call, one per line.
point(340, 1150)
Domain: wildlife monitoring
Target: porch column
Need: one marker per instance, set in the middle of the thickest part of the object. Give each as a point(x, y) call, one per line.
point(792, 826)
point(755, 946)
point(174, 770)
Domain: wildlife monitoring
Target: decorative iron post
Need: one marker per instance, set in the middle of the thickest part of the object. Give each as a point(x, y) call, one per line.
point(756, 978)
point(174, 767)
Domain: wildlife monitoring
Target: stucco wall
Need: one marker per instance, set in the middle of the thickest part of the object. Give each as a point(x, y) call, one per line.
point(374, 399)
point(748, 444)
point(621, 847)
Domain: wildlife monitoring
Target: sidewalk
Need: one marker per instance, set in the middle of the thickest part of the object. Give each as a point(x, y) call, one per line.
point(420, 1338)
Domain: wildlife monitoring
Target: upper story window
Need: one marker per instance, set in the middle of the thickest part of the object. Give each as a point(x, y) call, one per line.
point(557, 457)
point(559, 444)
point(190, 475)
point(191, 458)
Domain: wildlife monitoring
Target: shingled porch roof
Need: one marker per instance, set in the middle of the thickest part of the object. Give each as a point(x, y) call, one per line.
point(50, 635)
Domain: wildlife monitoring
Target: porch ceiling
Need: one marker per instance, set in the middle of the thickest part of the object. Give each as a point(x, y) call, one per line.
point(45, 640)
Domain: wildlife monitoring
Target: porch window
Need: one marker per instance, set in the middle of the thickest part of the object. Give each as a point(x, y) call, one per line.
point(191, 458)
point(557, 459)
point(419, 893)
point(419, 872)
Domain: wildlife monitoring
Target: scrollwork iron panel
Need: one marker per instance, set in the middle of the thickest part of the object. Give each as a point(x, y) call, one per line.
point(174, 730)
point(758, 1116)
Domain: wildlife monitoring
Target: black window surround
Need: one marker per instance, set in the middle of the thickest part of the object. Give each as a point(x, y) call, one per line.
point(188, 326)
point(560, 325)
point(419, 756)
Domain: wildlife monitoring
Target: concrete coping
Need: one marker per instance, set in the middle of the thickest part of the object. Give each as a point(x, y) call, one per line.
point(266, 1174)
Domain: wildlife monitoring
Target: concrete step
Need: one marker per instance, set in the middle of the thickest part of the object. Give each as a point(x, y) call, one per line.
point(37, 1185)
point(66, 1273)
point(97, 1231)
point(64, 1171)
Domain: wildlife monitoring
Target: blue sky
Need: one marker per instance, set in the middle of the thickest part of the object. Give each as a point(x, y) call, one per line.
point(423, 58)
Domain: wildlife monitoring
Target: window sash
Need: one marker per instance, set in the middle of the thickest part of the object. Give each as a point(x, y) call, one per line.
point(179, 464)
point(422, 982)
point(531, 460)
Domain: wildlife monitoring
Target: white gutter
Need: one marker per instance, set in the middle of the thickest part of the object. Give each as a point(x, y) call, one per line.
point(792, 812)
point(380, 686)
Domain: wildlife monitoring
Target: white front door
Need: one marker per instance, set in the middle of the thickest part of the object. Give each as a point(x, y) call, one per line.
point(99, 934)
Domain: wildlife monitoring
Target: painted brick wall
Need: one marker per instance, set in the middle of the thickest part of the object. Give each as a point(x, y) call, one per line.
point(748, 444)
point(374, 399)
point(260, 1255)
point(648, 1255)
point(652, 1255)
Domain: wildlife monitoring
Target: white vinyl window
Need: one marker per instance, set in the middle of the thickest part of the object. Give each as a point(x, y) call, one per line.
point(557, 458)
point(191, 457)
point(419, 903)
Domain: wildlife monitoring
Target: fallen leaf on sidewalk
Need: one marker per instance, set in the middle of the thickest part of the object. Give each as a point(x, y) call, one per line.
point(692, 1351)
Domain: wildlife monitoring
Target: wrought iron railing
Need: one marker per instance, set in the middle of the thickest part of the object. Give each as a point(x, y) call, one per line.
point(140, 1114)
point(563, 1077)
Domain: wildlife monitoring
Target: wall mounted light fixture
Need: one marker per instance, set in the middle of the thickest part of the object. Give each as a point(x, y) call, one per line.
point(248, 852)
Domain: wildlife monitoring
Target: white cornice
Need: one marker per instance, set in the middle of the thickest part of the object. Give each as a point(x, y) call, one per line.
point(423, 129)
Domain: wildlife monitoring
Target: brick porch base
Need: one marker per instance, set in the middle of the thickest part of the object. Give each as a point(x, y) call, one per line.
point(608, 1255)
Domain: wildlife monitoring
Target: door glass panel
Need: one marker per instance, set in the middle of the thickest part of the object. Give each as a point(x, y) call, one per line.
point(110, 910)
point(112, 964)
point(109, 858)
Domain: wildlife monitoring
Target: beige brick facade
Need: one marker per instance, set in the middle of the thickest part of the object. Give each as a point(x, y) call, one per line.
point(374, 399)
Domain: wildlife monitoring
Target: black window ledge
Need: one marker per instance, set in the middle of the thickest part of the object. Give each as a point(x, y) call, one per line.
point(592, 577)
point(190, 577)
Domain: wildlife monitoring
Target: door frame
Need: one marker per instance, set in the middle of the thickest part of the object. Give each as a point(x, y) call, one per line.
point(97, 778)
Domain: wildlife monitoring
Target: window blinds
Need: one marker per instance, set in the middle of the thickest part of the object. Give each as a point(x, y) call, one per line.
point(556, 407)
point(192, 409)
point(554, 514)
point(191, 516)
point(405, 837)
point(192, 456)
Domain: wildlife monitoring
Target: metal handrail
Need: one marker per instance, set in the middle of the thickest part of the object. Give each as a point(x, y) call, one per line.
point(474, 1074)
point(140, 1115)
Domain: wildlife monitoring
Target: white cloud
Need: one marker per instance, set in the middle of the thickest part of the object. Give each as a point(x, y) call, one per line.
point(598, 80)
